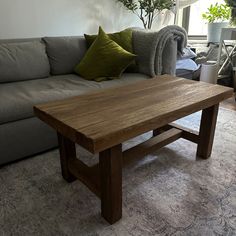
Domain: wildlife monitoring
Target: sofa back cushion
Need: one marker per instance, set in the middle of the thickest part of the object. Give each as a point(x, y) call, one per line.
point(23, 61)
point(65, 53)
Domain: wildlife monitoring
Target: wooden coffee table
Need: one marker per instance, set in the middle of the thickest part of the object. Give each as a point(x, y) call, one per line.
point(101, 121)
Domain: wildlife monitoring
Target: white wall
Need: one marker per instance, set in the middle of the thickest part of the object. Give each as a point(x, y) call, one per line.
point(37, 18)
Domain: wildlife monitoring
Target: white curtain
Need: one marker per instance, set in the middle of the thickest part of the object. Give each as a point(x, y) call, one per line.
point(180, 4)
point(185, 3)
point(168, 17)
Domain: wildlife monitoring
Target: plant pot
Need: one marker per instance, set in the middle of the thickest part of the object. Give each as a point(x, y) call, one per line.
point(214, 31)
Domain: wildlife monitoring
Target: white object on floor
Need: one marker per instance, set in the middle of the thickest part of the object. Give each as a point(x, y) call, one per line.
point(186, 54)
point(187, 64)
point(209, 72)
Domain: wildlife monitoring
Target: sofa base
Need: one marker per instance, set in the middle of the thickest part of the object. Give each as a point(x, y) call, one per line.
point(24, 138)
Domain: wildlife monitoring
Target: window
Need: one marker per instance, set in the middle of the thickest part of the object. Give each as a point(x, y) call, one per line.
point(196, 25)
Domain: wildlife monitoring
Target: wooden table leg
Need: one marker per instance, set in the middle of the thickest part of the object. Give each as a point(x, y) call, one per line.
point(67, 151)
point(207, 131)
point(234, 81)
point(158, 131)
point(110, 163)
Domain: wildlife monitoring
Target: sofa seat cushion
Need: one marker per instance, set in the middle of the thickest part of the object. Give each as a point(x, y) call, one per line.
point(17, 99)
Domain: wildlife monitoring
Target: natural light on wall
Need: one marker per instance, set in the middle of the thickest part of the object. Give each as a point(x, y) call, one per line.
point(197, 26)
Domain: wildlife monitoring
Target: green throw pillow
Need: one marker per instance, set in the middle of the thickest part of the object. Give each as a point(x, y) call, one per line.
point(104, 60)
point(123, 38)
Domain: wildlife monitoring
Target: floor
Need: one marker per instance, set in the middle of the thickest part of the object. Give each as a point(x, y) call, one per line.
point(169, 192)
point(229, 103)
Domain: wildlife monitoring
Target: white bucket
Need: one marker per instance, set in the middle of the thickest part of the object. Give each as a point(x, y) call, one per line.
point(209, 72)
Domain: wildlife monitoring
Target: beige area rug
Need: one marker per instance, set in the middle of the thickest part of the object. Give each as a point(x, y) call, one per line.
point(167, 193)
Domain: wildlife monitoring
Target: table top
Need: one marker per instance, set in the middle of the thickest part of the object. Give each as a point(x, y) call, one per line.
point(107, 117)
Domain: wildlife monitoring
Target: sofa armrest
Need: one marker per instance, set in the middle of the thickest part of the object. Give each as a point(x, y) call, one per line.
point(169, 57)
point(157, 50)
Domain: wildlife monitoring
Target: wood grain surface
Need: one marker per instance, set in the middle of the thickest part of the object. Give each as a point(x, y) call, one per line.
point(103, 119)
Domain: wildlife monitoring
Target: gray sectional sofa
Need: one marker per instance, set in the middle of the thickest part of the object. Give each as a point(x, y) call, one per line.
point(34, 71)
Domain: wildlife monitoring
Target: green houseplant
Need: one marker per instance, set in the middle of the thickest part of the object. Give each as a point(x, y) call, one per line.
point(217, 16)
point(147, 10)
point(217, 13)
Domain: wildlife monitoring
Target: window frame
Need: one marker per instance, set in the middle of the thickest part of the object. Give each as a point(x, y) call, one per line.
point(185, 25)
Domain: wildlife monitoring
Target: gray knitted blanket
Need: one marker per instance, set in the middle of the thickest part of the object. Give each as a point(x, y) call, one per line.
point(150, 46)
